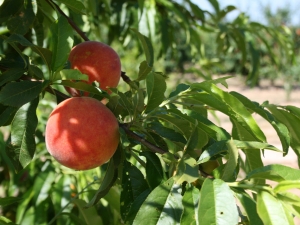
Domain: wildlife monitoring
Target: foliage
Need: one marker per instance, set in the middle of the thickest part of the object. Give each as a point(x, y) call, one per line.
point(158, 173)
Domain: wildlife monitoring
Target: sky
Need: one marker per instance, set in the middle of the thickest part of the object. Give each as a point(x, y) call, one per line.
point(253, 8)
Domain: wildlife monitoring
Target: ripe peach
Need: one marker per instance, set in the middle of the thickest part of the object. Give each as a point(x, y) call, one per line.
point(97, 60)
point(82, 133)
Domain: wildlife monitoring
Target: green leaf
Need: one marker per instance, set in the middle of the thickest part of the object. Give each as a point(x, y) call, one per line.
point(108, 181)
point(70, 74)
point(24, 205)
point(62, 41)
point(88, 215)
point(156, 87)
point(147, 46)
point(154, 171)
point(17, 94)
point(5, 221)
point(134, 185)
point(75, 5)
point(287, 185)
point(9, 200)
point(144, 70)
point(11, 75)
point(82, 86)
point(23, 133)
point(249, 205)
point(253, 77)
point(275, 172)
point(221, 146)
point(165, 132)
point(162, 206)
point(6, 114)
point(22, 21)
point(279, 127)
point(61, 190)
point(271, 210)
point(44, 53)
point(232, 162)
point(190, 203)
point(231, 106)
point(35, 72)
point(217, 204)
point(42, 185)
point(292, 122)
point(192, 141)
point(9, 8)
point(187, 170)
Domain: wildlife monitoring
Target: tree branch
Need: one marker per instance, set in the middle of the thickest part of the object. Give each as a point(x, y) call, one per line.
point(143, 141)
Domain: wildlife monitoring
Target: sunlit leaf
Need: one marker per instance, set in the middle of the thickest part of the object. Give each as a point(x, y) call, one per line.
point(217, 204)
point(23, 133)
point(62, 41)
point(271, 210)
point(156, 87)
point(275, 172)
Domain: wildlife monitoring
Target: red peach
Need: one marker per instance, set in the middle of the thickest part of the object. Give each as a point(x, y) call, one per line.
point(82, 133)
point(97, 60)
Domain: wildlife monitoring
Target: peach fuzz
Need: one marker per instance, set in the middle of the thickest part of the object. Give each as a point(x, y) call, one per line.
point(97, 60)
point(82, 133)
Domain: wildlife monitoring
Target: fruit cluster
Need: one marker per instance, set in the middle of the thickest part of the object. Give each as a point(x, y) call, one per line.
point(81, 132)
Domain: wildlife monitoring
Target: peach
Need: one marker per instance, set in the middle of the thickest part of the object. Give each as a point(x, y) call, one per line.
point(97, 60)
point(82, 133)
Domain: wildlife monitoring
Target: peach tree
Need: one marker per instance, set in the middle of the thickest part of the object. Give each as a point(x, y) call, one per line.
point(173, 163)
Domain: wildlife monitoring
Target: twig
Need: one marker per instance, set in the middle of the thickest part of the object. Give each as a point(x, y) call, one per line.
point(143, 141)
point(71, 22)
point(125, 77)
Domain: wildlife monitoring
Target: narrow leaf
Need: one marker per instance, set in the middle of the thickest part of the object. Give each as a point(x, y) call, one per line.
point(70, 74)
point(156, 87)
point(287, 185)
point(62, 40)
point(154, 171)
point(17, 94)
point(88, 215)
point(232, 162)
point(275, 172)
point(231, 106)
point(11, 75)
point(144, 70)
point(9, 200)
point(23, 133)
point(147, 46)
point(279, 127)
